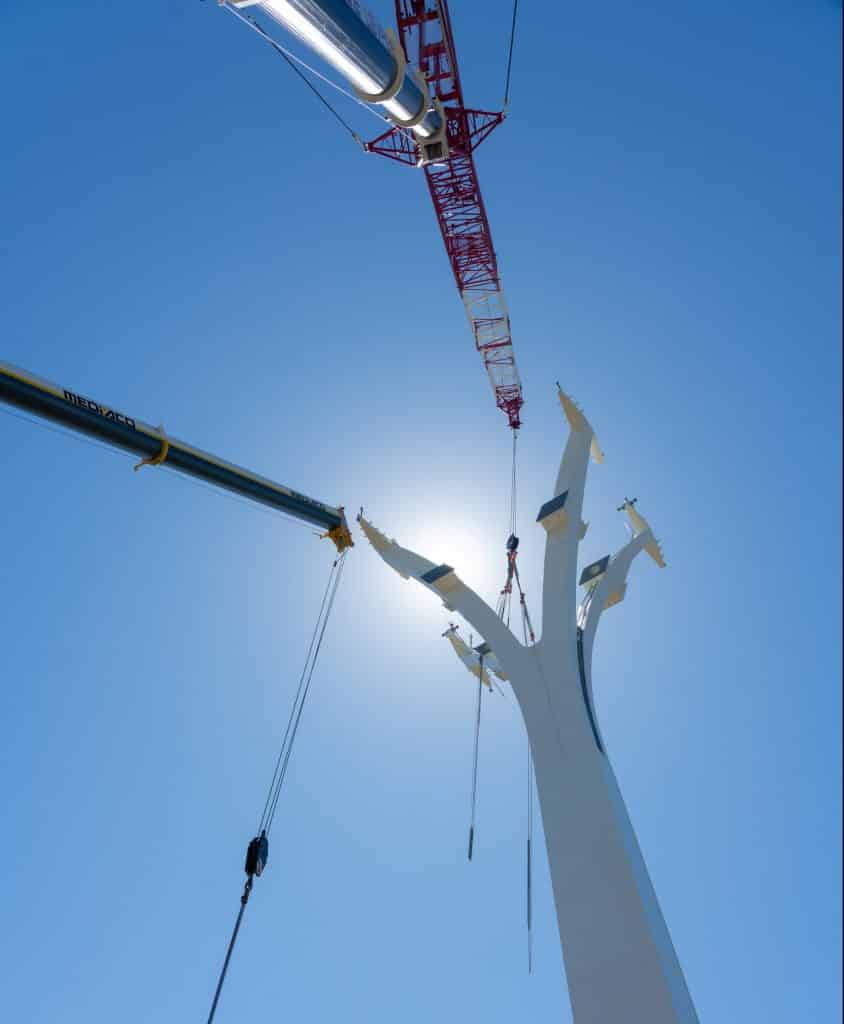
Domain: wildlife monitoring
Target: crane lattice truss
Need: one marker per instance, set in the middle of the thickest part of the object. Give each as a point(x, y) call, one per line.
point(426, 38)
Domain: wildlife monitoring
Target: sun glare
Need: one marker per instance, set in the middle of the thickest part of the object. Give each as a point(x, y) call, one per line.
point(462, 549)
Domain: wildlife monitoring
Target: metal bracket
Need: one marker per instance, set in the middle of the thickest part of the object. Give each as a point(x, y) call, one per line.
point(341, 535)
point(156, 460)
point(440, 139)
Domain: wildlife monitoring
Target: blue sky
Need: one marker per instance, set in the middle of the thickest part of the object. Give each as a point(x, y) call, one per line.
point(189, 237)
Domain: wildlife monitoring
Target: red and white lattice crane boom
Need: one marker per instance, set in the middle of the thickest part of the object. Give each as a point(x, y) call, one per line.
point(427, 40)
point(415, 80)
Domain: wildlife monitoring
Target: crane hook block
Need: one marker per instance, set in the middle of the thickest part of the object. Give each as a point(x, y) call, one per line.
point(512, 542)
point(256, 855)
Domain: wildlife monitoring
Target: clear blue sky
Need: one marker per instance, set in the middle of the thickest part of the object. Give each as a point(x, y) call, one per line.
point(188, 236)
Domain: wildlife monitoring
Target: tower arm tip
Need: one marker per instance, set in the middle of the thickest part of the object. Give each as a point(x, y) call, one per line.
point(471, 657)
point(441, 579)
point(640, 525)
point(404, 562)
point(578, 422)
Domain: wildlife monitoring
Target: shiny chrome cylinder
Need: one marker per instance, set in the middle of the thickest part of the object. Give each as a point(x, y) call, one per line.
point(350, 40)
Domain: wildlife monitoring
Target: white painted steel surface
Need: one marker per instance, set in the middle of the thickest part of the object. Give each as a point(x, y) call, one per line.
point(620, 963)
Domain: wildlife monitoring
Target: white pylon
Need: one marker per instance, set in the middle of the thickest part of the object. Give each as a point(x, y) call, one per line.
point(619, 960)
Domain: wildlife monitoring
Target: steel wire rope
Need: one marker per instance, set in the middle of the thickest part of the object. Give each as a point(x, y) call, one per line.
point(66, 433)
point(244, 899)
point(513, 486)
point(267, 817)
point(475, 758)
point(503, 608)
point(294, 705)
point(337, 565)
point(113, 450)
point(510, 54)
point(526, 632)
point(503, 612)
point(529, 864)
point(529, 860)
point(222, 493)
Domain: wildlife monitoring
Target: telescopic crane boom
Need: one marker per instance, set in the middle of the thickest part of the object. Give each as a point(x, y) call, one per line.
point(76, 411)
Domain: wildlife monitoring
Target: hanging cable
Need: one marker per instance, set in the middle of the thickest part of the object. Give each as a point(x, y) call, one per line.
point(528, 637)
point(527, 625)
point(103, 446)
point(258, 849)
point(244, 899)
point(504, 597)
point(510, 54)
point(529, 895)
point(274, 782)
point(253, 24)
point(475, 759)
point(503, 612)
point(292, 61)
point(513, 486)
point(338, 565)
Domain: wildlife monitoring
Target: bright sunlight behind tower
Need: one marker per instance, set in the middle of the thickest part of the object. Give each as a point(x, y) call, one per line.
point(296, 260)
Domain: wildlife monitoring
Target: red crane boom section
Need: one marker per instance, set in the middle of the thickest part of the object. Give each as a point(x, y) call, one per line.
point(426, 37)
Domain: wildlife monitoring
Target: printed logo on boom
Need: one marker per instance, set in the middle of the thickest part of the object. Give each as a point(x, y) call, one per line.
point(92, 406)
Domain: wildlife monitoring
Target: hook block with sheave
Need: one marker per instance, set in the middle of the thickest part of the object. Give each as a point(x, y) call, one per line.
point(619, 959)
point(257, 853)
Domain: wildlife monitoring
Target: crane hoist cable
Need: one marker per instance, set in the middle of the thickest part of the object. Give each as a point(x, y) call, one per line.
point(283, 760)
point(505, 599)
point(510, 54)
point(257, 851)
point(529, 863)
point(527, 633)
point(103, 446)
point(503, 612)
point(513, 485)
point(506, 595)
point(475, 758)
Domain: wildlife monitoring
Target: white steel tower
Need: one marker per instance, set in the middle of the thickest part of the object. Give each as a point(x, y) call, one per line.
point(619, 959)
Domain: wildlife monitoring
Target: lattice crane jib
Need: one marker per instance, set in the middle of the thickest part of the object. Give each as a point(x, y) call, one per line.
point(428, 42)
